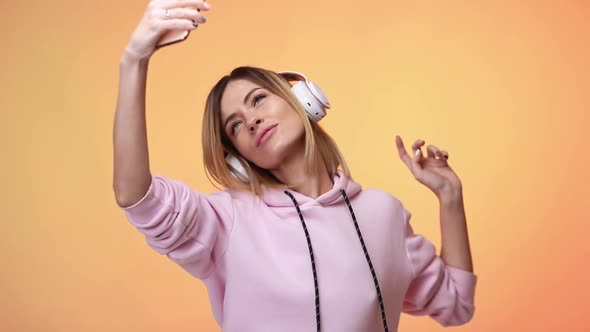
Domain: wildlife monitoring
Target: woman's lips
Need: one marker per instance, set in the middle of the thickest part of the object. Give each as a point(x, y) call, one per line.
point(266, 135)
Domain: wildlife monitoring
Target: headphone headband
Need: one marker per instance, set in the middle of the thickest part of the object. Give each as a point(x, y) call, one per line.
point(314, 89)
point(293, 76)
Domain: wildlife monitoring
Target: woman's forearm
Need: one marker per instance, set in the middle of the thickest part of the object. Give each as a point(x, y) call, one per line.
point(131, 173)
point(455, 251)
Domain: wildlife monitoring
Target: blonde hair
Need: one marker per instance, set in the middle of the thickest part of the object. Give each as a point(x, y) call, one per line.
point(319, 146)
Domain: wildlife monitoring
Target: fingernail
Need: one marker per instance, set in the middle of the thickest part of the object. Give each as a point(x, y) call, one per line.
point(206, 5)
point(417, 152)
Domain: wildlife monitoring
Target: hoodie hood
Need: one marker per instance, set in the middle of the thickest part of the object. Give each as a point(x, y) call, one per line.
point(277, 198)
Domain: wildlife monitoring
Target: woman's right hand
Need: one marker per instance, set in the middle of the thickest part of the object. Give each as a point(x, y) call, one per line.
point(182, 15)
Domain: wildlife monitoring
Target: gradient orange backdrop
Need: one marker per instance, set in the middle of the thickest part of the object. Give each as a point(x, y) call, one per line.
point(503, 86)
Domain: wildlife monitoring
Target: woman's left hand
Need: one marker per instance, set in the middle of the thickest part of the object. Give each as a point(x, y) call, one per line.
point(433, 171)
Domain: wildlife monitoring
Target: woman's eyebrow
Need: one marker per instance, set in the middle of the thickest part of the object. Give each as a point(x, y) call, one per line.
point(249, 94)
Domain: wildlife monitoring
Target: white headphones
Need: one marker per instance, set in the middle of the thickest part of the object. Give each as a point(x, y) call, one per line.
point(312, 98)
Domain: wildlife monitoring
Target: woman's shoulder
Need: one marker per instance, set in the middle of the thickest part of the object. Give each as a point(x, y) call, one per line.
point(239, 197)
point(169, 185)
point(377, 192)
point(380, 196)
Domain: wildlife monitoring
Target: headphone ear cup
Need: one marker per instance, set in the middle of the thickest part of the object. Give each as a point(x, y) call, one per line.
point(310, 95)
point(312, 105)
point(236, 168)
point(319, 94)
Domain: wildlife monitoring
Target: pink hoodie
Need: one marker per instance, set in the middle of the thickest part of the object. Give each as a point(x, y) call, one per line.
point(253, 256)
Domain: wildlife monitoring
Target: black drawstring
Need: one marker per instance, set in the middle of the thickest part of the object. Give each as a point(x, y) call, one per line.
point(315, 279)
point(358, 231)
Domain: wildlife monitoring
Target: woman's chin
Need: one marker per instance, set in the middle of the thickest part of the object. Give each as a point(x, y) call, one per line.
point(275, 153)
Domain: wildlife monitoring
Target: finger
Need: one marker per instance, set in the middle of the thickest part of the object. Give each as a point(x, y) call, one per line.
point(434, 152)
point(185, 13)
point(177, 24)
point(402, 152)
point(416, 167)
point(200, 4)
point(417, 144)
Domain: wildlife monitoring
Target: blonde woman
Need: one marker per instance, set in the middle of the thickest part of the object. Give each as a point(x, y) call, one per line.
point(291, 242)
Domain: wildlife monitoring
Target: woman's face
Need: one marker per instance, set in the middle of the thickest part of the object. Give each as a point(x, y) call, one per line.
point(262, 126)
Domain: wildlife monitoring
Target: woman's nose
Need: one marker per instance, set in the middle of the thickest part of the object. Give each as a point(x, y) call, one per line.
point(254, 123)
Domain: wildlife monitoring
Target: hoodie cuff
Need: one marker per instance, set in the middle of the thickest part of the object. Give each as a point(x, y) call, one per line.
point(465, 281)
point(143, 211)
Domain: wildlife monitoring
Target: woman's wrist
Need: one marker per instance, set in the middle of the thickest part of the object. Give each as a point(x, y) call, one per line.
point(451, 195)
point(130, 57)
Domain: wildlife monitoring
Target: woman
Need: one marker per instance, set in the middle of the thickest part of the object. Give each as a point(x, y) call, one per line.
point(296, 244)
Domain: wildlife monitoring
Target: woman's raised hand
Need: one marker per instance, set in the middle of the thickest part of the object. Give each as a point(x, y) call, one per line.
point(432, 170)
point(160, 17)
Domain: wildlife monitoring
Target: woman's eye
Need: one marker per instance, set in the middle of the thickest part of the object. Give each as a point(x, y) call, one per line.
point(234, 127)
point(257, 99)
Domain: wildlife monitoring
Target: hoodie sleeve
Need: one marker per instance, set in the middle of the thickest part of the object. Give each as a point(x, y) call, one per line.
point(190, 228)
point(443, 292)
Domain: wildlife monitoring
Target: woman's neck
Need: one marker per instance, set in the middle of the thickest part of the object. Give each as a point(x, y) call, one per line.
point(311, 184)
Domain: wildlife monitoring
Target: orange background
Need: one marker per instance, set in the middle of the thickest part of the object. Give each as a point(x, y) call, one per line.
point(503, 86)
